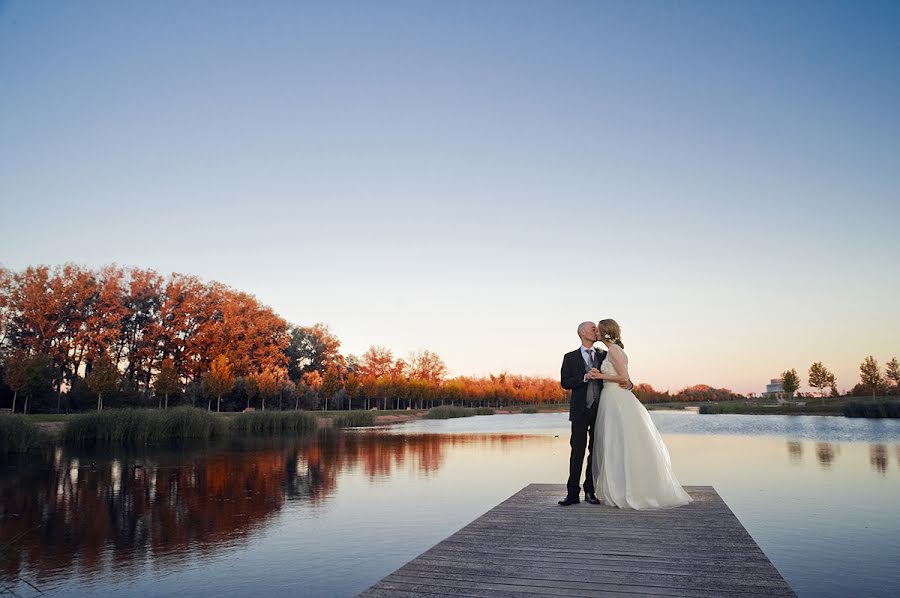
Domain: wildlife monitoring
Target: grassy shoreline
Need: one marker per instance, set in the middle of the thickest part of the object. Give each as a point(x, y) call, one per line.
point(113, 426)
point(19, 435)
point(839, 407)
point(137, 427)
point(830, 406)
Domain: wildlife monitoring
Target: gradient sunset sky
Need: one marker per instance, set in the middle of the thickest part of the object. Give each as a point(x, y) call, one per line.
point(476, 178)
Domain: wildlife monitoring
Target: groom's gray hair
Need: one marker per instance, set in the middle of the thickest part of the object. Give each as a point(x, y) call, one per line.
point(582, 327)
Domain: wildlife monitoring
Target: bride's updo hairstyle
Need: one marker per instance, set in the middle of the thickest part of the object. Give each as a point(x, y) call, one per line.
point(610, 332)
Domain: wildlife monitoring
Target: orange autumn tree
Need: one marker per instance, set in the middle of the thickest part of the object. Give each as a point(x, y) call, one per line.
point(236, 325)
point(183, 312)
point(377, 361)
point(166, 381)
point(331, 384)
point(218, 381)
point(15, 374)
point(104, 377)
point(33, 310)
point(270, 383)
point(427, 366)
point(142, 319)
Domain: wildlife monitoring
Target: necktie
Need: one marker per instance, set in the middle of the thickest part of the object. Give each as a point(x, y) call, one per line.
point(591, 389)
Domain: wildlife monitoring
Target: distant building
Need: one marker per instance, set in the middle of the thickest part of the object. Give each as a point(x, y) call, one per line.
point(774, 389)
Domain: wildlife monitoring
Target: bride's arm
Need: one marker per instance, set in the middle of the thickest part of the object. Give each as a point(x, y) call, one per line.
point(598, 375)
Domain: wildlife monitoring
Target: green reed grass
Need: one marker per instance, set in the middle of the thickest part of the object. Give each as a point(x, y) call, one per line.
point(877, 410)
point(484, 411)
point(272, 422)
point(354, 419)
point(447, 412)
point(138, 427)
point(529, 409)
point(18, 434)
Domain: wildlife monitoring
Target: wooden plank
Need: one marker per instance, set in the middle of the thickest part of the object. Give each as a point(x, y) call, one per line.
point(529, 546)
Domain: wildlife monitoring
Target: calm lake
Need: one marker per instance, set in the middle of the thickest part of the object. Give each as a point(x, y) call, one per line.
point(333, 513)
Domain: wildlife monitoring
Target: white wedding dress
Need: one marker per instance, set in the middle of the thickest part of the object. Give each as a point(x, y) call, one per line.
point(631, 462)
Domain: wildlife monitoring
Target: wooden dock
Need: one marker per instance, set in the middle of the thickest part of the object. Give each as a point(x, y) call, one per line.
point(530, 546)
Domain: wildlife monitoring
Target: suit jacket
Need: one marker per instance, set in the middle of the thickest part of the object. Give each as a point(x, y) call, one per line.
point(571, 377)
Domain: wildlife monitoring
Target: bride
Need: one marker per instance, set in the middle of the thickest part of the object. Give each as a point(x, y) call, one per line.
point(631, 462)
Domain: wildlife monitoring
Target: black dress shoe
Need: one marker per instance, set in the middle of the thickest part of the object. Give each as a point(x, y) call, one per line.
point(569, 500)
point(592, 498)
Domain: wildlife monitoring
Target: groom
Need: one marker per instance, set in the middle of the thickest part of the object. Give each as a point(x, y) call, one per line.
point(578, 372)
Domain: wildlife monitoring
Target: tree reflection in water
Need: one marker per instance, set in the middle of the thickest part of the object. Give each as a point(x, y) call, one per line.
point(878, 458)
point(80, 514)
point(795, 451)
point(825, 453)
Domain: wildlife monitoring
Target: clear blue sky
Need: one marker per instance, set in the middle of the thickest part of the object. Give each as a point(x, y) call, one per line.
point(478, 177)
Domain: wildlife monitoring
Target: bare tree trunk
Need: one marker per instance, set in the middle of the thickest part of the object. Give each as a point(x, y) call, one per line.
point(99, 401)
point(219, 404)
point(167, 401)
point(15, 394)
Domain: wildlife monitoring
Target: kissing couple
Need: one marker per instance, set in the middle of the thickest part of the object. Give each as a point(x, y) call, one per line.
point(626, 454)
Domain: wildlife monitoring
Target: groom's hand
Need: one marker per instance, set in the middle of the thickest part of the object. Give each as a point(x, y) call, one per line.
point(627, 385)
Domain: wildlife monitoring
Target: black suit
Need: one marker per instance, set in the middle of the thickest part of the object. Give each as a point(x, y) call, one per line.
point(571, 377)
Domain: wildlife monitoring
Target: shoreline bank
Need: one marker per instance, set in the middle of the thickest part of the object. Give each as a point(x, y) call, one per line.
point(52, 424)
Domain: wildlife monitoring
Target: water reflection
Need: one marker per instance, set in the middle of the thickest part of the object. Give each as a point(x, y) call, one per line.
point(795, 451)
point(92, 515)
point(269, 516)
point(878, 458)
point(825, 453)
point(86, 514)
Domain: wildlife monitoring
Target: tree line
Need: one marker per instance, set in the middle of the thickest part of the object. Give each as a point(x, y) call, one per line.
point(74, 338)
point(697, 392)
point(871, 379)
point(133, 337)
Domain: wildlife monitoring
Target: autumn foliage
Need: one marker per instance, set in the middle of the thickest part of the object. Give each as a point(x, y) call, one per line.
point(137, 319)
point(118, 336)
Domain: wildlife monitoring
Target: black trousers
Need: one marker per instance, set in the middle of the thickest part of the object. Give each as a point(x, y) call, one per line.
point(582, 436)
